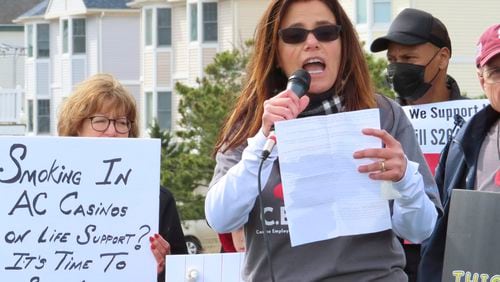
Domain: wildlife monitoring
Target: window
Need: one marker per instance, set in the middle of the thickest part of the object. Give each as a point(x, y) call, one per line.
point(43, 117)
point(65, 36)
point(79, 36)
point(193, 24)
point(164, 29)
point(29, 40)
point(148, 115)
point(381, 11)
point(148, 27)
point(209, 22)
point(42, 40)
point(165, 110)
point(30, 116)
point(361, 11)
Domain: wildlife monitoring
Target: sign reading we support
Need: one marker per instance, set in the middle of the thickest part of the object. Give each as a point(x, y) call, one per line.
point(433, 123)
point(78, 209)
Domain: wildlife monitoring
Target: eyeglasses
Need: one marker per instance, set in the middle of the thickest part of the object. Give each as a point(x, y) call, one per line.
point(101, 124)
point(492, 75)
point(324, 33)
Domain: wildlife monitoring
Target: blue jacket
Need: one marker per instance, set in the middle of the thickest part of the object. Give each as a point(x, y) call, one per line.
point(456, 170)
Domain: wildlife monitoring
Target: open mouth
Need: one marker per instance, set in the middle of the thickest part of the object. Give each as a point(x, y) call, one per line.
point(314, 65)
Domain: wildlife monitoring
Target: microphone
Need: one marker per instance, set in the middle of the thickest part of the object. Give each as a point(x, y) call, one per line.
point(299, 83)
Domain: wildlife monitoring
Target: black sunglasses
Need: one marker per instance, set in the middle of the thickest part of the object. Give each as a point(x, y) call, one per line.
point(324, 33)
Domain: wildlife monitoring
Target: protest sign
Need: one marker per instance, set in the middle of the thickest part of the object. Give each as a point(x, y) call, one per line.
point(433, 123)
point(78, 209)
point(472, 244)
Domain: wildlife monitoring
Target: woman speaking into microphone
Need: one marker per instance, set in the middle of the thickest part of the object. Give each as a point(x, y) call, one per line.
point(316, 36)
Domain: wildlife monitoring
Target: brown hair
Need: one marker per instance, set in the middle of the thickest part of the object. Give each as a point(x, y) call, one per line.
point(354, 85)
point(88, 98)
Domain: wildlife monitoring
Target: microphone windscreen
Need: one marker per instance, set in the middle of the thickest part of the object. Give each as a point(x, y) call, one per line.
point(299, 82)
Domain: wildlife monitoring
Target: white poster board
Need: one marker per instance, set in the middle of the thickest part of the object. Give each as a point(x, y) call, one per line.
point(433, 123)
point(78, 209)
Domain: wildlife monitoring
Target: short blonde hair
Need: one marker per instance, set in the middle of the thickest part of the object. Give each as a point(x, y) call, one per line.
point(89, 97)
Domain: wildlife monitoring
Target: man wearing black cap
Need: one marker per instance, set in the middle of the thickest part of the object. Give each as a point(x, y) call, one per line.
point(418, 49)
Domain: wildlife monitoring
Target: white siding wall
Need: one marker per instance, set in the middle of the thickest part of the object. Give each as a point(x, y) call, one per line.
point(93, 56)
point(194, 64)
point(75, 5)
point(175, 105)
point(57, 100)
point(208, 56)
point(57, 7)
point(164, 69)
point(66, 85)
point(29, 81)
point(53, 117)
point(180, 42)
point(64, 7)
point(55, 54)
point(42, 79)
point(121, 46)
point(180, 57)
point(226, 24)
point(148, 70)
point(135, 90)
point(399, 5)
point(12, 63)
point(247, 15)
point(348, 6)
point(78, 73)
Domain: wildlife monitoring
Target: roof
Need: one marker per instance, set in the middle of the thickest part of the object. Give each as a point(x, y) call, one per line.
point(13, 9)
point(37, 10)
point(106, 4)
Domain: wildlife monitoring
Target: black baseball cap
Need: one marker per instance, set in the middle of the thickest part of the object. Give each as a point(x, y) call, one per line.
point(412, 27)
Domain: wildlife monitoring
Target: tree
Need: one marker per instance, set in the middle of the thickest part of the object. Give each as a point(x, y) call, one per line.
point(188, 164)
point(377, 68)
point(175, 172)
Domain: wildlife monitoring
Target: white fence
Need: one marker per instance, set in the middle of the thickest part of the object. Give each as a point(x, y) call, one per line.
point(11, 111)
point(11, 104)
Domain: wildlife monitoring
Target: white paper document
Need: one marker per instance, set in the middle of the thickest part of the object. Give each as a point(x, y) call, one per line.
point(325, 195)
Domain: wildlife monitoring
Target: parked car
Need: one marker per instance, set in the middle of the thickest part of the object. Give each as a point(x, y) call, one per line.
point(200, 238)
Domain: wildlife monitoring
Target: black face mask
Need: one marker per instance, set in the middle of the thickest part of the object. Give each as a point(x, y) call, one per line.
point(408, 79)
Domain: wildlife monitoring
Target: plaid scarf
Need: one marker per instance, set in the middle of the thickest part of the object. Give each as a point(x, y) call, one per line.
point(323, 104)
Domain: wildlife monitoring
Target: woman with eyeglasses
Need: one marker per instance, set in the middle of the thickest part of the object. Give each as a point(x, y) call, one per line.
point(101, 107)
point(316, 36)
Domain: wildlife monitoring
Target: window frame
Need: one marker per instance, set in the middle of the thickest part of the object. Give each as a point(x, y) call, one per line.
point(167, 28)
point(78, 36)
point(193, 21)
point(30, 115)
point(361, 12)
point(38, 41)
point(164, 111)
point(65, 36)
point(197, 23)
point(374, 3)
point(148, 27)
point(43, 116)
point(369, 12)
point(148, 107)
point(29, 40)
